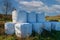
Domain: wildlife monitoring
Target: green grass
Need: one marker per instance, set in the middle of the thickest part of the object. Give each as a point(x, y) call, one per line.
point(55, 35)
point(7, 37)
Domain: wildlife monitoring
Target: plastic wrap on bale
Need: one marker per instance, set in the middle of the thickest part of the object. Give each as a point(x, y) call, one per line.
point(57, 28)
point(53, 25)
point(19, 17)
point(9, 28)
point(40, 17)
point(38, 27)
point(47, 26)
point(23, 29)
point(31, 17)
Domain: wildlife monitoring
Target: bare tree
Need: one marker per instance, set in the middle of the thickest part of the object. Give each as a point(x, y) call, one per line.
point(7, 7)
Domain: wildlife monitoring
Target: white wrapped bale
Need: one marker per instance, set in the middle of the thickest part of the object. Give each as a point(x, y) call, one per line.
point(38, 27)
point(23, 29)
point(57, 28)
point(14, 16)
point(40, 17)
point(32, 17)
point(9, 28)
point(47, 26)
point(53, 25)
point(20, 16)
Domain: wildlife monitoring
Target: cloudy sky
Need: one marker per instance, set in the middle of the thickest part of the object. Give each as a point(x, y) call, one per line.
point(50, 7)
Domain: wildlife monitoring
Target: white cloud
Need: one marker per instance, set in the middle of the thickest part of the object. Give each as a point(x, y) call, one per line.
point(58, 0)
point(32, 3)
point(56, 6)
point(38, 6)
point(54, 9)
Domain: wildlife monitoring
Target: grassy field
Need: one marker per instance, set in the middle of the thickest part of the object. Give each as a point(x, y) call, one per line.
point(53, 18)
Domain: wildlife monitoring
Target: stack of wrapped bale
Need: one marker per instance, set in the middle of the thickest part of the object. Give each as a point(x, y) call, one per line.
point(24, 28)
point(24, 23)
point(38, 26)
point(19, 24)
point(19, 17)
point(9, 26)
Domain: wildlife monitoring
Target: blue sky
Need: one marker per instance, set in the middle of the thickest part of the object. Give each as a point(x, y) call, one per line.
point(50, 7)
